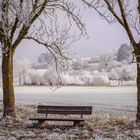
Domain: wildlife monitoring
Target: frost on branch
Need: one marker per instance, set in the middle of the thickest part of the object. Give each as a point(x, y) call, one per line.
point(30, 19)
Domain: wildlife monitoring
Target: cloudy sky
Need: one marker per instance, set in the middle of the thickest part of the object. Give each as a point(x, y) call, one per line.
point(102, 38)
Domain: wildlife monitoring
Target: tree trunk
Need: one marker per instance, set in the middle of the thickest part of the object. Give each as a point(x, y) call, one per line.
point(8, 88)
point(138, 83)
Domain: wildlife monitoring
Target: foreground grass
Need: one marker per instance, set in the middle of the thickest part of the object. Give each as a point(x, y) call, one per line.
point(96, 127)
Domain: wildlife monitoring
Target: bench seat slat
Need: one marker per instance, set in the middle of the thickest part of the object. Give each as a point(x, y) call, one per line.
point(43, 111)
point(57, 119)
point(65, 107)
point(87, 110)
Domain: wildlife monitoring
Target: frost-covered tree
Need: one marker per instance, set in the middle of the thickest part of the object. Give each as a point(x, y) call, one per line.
point(76, 64)
point(124, 53)
point(50, 78)
point(45, 58)
point(100, 78)
point(124, 75)
point(43, 77)
point(39, 21)
point(113, 75)
point(106, 61)
point(21, 69)
point(35, 77)
point(127, 14)
point(86, 78)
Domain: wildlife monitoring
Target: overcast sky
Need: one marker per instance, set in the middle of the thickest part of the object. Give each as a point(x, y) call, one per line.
point(102, 38)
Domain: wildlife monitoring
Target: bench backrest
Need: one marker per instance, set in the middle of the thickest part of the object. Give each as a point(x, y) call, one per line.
point(77, 110)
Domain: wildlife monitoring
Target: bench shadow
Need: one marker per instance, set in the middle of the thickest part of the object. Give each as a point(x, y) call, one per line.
point(51, 127)
point(62, 127)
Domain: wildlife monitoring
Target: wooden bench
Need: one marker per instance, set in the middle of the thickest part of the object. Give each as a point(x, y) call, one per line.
point(63, 110)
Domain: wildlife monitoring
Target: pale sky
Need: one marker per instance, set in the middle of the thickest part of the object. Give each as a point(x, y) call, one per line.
point(102, 38)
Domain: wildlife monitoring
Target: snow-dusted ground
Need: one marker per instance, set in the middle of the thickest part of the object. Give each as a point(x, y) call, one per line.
point(107, 100)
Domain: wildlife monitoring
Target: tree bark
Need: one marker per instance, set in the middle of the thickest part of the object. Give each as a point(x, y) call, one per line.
point(8, 88)
point(138, 82)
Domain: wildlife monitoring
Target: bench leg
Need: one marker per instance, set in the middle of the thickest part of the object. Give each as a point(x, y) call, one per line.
point(41, 122)
point(76, 123)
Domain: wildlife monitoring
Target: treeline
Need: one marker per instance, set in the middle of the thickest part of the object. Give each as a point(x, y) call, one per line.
point(111, 68)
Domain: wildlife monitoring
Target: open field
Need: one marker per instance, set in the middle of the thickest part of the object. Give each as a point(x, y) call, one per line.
point(114, 101)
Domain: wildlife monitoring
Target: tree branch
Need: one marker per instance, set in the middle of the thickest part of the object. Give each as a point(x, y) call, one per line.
point(39, 12)
point(139, 6)
point(121, 19)
point(23, 32)
point(126, 25)
point(50, 47)
point(110, 8)
point(14, 29)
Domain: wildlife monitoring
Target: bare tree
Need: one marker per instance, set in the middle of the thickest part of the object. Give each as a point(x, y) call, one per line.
point(127, 14)
point(34, 20)
point(106, 61)
point(22, 67)
point(124, 53)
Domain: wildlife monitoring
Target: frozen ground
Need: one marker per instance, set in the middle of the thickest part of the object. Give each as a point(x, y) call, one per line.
point(115, 101)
